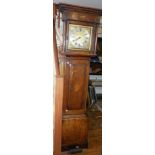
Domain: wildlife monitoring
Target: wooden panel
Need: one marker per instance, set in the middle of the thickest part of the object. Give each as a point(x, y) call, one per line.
point(75, 86)
point(90, 18)
point(58, 115)
point(74, 131)
point(74, 8)
point(77, 80)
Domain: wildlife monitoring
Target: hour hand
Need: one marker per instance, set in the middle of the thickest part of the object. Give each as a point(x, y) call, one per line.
point(77, 39)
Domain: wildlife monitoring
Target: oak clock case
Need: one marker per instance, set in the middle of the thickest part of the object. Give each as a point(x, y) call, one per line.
point(79, 43)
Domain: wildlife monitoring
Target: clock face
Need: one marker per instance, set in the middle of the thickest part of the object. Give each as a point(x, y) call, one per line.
point(80, 37)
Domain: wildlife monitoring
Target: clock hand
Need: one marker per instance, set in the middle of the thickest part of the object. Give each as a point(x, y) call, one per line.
point(77, 39)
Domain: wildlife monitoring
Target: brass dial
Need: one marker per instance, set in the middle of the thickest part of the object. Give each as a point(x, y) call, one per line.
point(79, 37)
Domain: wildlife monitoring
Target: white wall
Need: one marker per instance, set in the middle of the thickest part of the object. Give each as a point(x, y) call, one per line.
point(26, 76)
point(129, 77)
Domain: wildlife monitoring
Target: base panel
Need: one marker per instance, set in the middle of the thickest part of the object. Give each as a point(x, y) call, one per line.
point(74, 132)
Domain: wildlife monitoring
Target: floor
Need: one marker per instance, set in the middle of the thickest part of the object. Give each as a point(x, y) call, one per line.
point(94, 134)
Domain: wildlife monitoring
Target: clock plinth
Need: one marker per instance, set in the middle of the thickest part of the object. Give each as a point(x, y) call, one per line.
point(79, 44)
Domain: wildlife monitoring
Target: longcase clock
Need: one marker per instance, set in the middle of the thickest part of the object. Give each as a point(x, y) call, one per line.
point(79, 44)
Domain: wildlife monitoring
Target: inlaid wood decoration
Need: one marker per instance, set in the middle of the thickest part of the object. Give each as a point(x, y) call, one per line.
point(78, 27)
